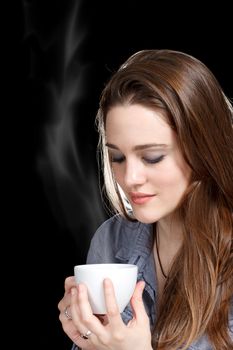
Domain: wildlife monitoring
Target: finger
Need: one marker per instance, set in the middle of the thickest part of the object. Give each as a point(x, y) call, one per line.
point(65, 315)
point(65, 301)
point(75, 310)
point(137, 302)
point(62, 304)
point(84, 316)
point(69, 283)
point(71, 330)
point(73, 333)
point(113, 313)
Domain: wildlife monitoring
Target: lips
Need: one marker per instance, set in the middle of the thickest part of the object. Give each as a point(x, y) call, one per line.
point(140, 198)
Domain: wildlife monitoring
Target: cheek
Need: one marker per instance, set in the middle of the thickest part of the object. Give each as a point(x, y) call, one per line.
point(164, 181)
point(171, 179)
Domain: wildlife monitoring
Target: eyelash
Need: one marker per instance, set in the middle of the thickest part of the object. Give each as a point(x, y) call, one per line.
point(147, 160)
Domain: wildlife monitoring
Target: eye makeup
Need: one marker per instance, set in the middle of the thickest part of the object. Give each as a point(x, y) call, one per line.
point(153, 160)
point(115, 157)
point(147, 159)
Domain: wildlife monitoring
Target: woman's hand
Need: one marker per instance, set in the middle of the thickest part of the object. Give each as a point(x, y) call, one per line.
point(114, 335)
point(68, 325)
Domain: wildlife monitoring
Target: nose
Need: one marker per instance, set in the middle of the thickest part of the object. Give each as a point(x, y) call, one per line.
point(134, 174)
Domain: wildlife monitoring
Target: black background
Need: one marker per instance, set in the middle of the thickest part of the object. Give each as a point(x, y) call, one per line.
point(51, 216)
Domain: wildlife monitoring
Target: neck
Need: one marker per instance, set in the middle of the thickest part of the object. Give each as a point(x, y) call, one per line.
point(170, 232)
point(170, 238)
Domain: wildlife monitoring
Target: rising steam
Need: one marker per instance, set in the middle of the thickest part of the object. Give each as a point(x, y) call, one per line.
point(68, 163)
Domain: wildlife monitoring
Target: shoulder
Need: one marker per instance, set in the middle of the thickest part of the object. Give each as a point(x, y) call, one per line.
point(117, 231)
point(119, 225)
point(116, 235)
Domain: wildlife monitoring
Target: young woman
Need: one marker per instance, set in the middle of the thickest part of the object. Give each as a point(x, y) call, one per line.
point(166, 139)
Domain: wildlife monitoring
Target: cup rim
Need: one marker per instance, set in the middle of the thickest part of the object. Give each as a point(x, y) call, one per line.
point(102, 266)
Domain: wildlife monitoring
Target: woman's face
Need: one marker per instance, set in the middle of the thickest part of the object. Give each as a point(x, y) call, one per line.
point(146, 161)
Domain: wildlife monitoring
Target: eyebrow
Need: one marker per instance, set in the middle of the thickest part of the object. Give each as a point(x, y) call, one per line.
point(139, 147)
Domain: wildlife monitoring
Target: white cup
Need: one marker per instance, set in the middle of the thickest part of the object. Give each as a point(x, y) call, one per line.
point(123, 277)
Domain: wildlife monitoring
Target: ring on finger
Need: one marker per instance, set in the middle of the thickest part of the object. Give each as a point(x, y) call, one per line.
point(66, 312)
point(86, 335)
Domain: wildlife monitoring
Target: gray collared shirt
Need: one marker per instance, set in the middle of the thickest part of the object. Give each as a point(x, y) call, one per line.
point(118, 240)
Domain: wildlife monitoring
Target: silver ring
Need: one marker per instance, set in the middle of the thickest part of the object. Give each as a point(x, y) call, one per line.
point(86, 335)
point(67, 314)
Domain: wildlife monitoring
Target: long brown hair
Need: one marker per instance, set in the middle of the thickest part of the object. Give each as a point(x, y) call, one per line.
point(199, 290)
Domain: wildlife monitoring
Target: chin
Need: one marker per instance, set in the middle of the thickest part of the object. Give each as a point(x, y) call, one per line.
point(145, 219)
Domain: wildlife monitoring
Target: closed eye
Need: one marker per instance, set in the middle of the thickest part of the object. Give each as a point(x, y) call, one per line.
point(120, 159)
point(115, 159)
point(153, 160)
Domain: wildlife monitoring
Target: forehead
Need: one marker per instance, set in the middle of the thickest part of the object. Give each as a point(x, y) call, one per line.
point(137, 124)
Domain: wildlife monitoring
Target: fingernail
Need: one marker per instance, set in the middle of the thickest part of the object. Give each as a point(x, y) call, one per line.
point(107, 282)
point(73, 291)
